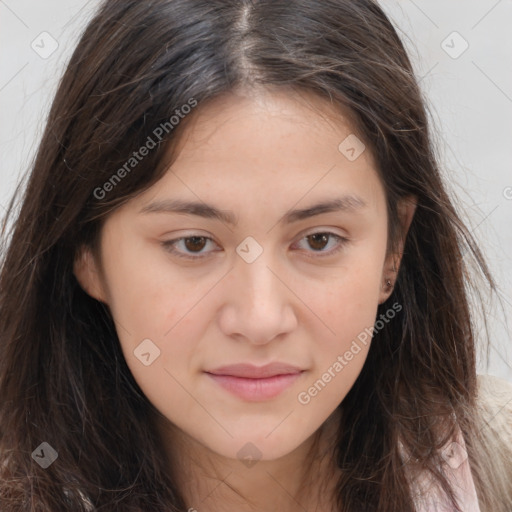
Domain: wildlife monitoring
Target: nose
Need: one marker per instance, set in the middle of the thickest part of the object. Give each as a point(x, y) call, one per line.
point(259, 305)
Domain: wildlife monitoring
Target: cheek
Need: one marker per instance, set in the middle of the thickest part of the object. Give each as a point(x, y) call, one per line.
point(348, 301)
point(170, 322)
point(145, 294)
point(159, 318)
point(347, 308)
point(349, 316)
point(160, 350)
point(338, 359)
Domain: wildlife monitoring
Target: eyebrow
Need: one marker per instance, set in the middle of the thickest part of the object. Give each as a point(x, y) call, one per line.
point(348, 203)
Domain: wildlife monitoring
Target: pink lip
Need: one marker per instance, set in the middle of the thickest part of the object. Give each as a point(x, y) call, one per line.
point(254, 383)
point(250, 371)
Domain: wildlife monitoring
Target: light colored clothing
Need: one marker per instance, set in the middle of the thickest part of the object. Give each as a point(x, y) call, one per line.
point(495, 400)
point(459, 476)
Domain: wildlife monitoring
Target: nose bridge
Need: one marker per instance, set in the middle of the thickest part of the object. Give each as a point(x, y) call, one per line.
point(260, 307)
point(252, 267)
point(262, 288)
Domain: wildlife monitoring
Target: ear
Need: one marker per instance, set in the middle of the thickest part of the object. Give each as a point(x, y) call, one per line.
point(406, 209)
point(88, 274)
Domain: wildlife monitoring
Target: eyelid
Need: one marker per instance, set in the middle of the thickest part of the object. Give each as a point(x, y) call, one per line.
point(342, 241)
point(168, 245)
point(317, 230)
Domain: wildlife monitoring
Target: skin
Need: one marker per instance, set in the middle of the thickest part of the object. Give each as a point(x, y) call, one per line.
point(257, 156)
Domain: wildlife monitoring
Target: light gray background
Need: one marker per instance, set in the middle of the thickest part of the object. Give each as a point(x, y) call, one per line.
point(470, 98)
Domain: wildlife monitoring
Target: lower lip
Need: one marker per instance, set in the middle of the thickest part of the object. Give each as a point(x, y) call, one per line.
point(256, 390)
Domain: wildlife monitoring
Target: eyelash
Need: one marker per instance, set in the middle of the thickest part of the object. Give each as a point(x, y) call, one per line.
point(169, 245)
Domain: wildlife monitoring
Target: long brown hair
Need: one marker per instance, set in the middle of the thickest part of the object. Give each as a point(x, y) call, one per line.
point(63, 378)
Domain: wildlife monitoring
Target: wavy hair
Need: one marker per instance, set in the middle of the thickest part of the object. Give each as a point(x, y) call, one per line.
point(63, 378)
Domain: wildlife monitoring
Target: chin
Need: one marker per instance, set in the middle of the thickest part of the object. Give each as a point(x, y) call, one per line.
point(253, 446)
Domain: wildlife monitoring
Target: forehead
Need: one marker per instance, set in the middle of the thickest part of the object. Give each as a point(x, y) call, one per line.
point(268, 147)
point(275, 117)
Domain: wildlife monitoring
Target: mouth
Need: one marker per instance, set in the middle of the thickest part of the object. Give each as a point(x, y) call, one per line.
point(255, 390)
point(255, 384)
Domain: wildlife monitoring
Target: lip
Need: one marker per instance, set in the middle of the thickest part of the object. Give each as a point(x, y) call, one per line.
point(253, 383)
point(250, 371)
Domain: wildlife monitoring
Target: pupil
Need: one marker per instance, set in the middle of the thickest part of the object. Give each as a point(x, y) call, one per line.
point(196, 240)
point(323, 237)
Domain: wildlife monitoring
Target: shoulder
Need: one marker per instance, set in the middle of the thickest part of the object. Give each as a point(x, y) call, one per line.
point(493, 445)
point(495, 401)
point(495, 404)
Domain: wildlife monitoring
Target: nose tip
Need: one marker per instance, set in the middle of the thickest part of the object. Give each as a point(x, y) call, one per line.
point(259, 306)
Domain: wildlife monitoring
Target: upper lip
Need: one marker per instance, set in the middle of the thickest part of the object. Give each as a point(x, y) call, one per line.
point(250, 371)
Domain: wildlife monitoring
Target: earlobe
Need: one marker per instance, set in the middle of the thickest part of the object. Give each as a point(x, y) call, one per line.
point(86, 271)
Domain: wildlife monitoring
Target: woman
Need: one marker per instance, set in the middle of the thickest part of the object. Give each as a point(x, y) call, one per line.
point(236, 278)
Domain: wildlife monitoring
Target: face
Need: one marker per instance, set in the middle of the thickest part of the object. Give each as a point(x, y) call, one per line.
point(265, 242)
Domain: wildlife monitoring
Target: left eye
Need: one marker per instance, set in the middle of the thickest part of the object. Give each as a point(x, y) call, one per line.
point(320, 240)
point(192, 247)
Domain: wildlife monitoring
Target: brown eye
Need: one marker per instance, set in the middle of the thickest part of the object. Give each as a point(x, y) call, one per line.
point(191, 247)
point(195, 243)
point(318, 241)
point(322, 243)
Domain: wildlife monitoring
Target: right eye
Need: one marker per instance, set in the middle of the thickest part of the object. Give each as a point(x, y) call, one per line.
point(187, 246)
